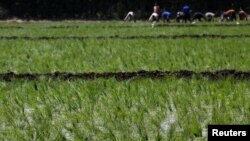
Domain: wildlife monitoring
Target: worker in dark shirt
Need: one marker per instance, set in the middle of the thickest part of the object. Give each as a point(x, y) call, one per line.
point(198, 16)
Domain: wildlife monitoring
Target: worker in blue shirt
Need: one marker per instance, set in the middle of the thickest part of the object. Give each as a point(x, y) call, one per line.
point(166, 16)
point(186, 11)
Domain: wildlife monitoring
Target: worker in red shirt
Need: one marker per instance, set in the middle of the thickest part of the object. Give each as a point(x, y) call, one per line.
point(229, 15)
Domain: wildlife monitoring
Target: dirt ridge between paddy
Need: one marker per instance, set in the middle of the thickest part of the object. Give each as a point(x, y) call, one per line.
point(10, 27)
point(129, 26)
point(180, 25)
point(241, 75)
point(195, 36)
point(63, 27)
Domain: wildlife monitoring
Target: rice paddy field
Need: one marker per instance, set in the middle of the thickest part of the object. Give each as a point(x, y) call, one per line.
point(110, 80)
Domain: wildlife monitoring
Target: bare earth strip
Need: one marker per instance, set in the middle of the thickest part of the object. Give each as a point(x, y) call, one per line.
point(130, 75)
point(124, 37)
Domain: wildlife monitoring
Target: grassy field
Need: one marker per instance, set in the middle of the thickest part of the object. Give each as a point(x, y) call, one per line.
point(122, 55)
point(108, 109)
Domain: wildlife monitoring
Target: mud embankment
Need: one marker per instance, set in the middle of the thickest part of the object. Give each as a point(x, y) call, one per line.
point(182, 36)
point(241, 75)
